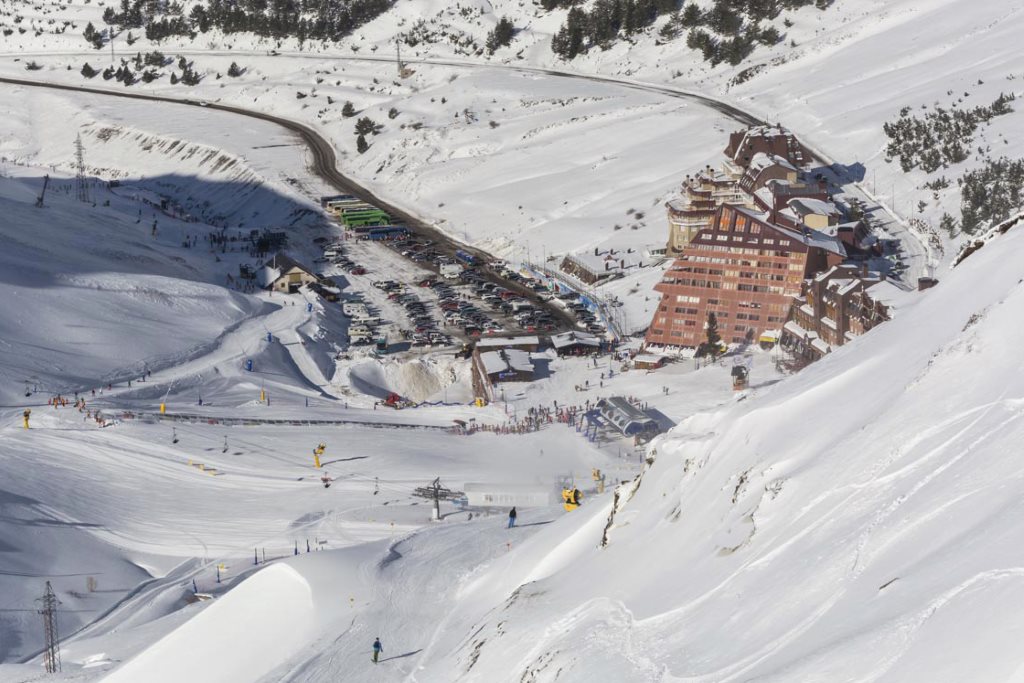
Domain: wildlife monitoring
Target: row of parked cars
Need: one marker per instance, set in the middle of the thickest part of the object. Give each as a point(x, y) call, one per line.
point(424, 325)
point(364, 322)
point(585, 318)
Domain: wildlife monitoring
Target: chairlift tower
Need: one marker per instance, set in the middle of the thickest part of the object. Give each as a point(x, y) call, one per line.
point(81, 187)
point(436, 492)
point(403, 70)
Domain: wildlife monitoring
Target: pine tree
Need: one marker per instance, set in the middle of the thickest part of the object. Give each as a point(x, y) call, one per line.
point(366, 125)
point(234, 70)
point(691, 16)
point(501, 35)
point(392, 113)
point(348, 110)
point(88, 71)
point(361, 144)
point(713, 341)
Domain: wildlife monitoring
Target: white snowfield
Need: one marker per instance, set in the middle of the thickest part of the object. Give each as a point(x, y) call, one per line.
point(859, 521)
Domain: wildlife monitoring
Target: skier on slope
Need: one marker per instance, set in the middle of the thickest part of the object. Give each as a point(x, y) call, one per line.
point(377, 649)
point(511, 518)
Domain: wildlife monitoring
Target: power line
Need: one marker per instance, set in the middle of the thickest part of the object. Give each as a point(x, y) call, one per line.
point(81, 187)
point(51, 653)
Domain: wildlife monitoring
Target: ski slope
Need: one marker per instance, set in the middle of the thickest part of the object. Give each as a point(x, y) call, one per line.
point(858, 521)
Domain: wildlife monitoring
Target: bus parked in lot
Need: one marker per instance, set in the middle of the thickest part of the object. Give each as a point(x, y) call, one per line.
point(362, 217)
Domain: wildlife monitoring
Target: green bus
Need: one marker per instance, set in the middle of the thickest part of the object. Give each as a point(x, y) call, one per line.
point(365, 217)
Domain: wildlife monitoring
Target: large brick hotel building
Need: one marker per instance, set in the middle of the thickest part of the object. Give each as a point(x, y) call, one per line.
point(750, 259)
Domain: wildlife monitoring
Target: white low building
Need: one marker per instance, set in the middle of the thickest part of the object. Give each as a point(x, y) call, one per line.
point(509, 495)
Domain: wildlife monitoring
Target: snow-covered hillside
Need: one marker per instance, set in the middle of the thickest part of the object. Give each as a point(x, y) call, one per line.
point(836, 76)
point(857, 522)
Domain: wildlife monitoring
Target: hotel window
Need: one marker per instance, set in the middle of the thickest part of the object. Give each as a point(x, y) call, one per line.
point(755, 229)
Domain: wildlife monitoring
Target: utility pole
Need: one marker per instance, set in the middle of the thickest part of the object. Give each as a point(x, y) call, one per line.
point(51, 653)
point(42, 195)
point(398, 53)
point(81, 188)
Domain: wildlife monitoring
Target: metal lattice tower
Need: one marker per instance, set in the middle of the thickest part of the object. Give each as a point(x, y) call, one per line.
point(81, 188)
point(51, 655)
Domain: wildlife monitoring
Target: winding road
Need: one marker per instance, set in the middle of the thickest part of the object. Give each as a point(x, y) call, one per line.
point(324, 161)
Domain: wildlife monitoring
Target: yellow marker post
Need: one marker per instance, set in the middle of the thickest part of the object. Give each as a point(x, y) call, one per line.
point(163, 408)
point(263, 396)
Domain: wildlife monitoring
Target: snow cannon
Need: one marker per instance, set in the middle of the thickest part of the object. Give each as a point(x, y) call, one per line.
point(571, 499)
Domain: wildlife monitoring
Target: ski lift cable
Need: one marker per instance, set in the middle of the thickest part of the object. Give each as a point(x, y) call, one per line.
point(264, 450)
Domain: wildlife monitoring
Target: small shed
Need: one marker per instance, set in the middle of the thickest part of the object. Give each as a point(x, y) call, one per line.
point(626, 417)
point(508, 495)
point(648, 361)
point(575, 343)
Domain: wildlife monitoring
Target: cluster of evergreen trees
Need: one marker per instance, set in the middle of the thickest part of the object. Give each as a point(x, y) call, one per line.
point(727, 31)
point(145, 67)
point(991, 194)
point(501, 35)
point(92, 36)
point(302, 19)
point(942, 137)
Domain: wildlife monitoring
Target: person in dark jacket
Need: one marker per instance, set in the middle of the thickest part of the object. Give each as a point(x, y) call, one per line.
point(511, 518)
point(377, 649)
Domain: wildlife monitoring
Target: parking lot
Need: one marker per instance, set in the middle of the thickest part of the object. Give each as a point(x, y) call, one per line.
point(412, 290)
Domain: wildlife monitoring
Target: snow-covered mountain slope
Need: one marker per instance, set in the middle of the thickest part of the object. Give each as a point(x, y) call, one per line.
point(837, 76)
point(859, 521)
point(74, 279)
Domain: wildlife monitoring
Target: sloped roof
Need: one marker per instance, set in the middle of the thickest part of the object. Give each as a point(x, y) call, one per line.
point(572, 337)
point(506, 360)
point(283, 263)
point(508, 341)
